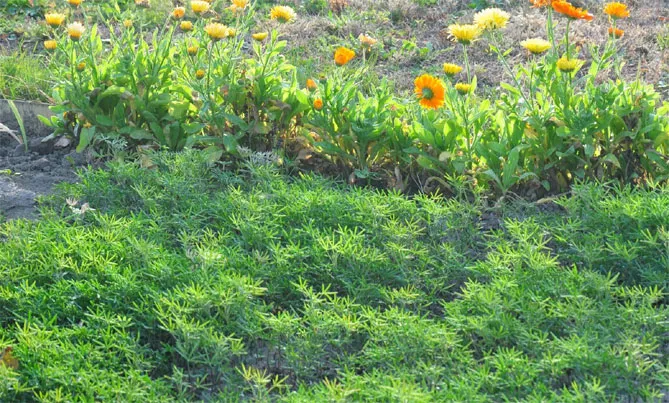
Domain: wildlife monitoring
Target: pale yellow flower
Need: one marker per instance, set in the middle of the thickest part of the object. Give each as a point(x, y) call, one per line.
point(536, 46)
point(491, 18)
point(282, 14)
point(75, 30)
point(464, 33)
point(54, 19)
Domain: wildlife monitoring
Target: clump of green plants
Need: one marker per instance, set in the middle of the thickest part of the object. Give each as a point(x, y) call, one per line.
point(24, 77)
point(187, 282)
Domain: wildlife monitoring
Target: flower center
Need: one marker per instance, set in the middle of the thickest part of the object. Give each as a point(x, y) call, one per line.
point(427, 93)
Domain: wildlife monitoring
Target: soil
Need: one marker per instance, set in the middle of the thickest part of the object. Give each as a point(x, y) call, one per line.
point(24, 176)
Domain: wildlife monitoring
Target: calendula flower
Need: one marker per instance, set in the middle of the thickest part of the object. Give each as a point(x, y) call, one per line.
point(54, 19)
point(367, 41)
point(491, 18)
point(75, 30)
point(464, 33)
point(74, 3)
point(536, 46)
point(430, 91)
point(260, 36)
point(199, 74)
point(238, 5)
point(50, 44)
point(186, 26)
point(343, 56)
point(81, 66)
point(199, 6)
point(217, 31)
point(616, 10)
point(283, 14)
point(318, 104)
point(192, 50)
point(127, 23)
point(311, 85)
point(452, 69)
point(567, 9)
point(178, 13)
point(568, 65)
point(463, 88)
point(616, 32)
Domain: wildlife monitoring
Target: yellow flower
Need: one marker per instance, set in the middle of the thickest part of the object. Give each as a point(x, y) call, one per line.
point(464, 33)
point(75, 30)
point(282, 14)
point(463, 88)
point(217, 31)
point(616, 10)
point(451, 69)
point(81, 66)
point(50, 44)
point(430, 91)
point(192, 50)
point(54, 19)
point(260, 36)
point(318, 104)
point(74, 3)
point(311, 85)
point(343, 56)
point(238, 5)
point(367, 41)
point(186, 26)
point(232, 32)
point(199, 6)
point(178, 13)
point(536, 46)
point(127, 24)
point(491, 18)
point(568, 65)
point(199, 74)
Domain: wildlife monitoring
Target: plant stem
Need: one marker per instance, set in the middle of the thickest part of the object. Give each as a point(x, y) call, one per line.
point(464, 51)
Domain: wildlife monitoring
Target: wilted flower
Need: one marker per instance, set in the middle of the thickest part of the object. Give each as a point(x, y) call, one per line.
point(566, 65)
point(318, 104)
point(260, 36)
point(452, 69)
point(50, 44)
point(54, 19)
point(464, 33)
point(491, 18)
point(567, 9)
point(282, 14)
point(616, 10)
point(536, 46)
point(75, 30)
point(178, 13)
point(343, 56)
point(367, 41)
point(430, 91)
point(186, 26)
point(463, 88)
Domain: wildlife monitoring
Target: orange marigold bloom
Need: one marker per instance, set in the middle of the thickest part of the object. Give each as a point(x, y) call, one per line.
point(540, 3)
point(311, 85)
point(616, 10)
point(318, 104)
point(178, 13)
point(616, 32)
point(430, 91)
point(568, 9)
point(343, 56)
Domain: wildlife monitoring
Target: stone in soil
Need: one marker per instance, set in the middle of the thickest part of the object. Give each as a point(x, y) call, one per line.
point(24, 176)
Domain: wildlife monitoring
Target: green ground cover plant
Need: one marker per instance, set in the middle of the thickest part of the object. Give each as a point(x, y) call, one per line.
point(188, 281)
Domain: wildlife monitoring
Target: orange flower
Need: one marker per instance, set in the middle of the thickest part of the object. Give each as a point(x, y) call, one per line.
point(318, 104)
point(311, 85)
point(616, 10)
point(343, 56)
point(575, 13)
point(616, 32)
point(178, 13)
point(430, 91)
